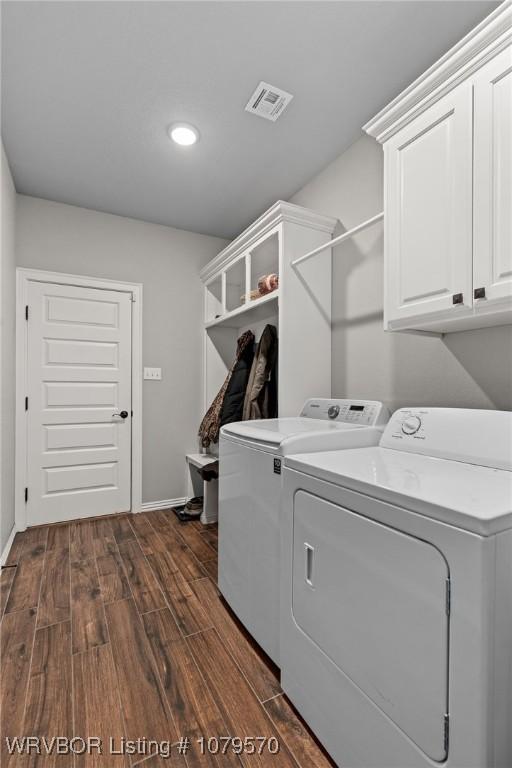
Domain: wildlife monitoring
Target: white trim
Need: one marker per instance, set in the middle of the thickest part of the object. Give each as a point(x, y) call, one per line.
point(23, 278)
point(491, 36)
point(7, 548)
point(259, 230)
point(149, 506)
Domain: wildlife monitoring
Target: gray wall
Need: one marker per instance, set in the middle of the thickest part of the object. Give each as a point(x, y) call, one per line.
point(472, 369)
point(65, 238)
point(7, 353)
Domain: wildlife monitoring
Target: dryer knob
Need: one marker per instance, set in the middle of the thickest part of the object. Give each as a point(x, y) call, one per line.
point(411, 425)
point(333, 411)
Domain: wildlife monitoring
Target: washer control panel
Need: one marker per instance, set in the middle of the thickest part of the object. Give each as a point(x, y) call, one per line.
point(333, 411)
point(362, 413)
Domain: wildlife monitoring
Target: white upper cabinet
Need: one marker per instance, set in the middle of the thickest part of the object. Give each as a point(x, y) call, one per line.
point(448, 188)
point(493, 182)
point(428, 211)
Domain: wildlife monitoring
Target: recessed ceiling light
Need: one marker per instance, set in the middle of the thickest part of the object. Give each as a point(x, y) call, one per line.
point(183, 134)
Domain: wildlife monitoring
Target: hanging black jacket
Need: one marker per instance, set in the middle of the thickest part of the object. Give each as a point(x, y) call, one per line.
point(233, 404)
point(211, 423)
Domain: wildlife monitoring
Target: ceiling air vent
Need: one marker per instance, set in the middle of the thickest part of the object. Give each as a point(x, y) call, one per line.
point(268, 101)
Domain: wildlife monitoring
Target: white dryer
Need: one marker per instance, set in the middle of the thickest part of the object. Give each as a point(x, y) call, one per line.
point(396, 637)
point(250, 480)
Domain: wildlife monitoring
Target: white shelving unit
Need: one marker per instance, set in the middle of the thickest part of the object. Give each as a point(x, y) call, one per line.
point(300, 308)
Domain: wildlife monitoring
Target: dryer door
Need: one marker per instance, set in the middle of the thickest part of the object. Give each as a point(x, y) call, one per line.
point(374, 600)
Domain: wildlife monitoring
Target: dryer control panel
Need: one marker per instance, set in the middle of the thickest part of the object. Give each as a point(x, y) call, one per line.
point(462, 434)
point(358, 412)
point(408, 423)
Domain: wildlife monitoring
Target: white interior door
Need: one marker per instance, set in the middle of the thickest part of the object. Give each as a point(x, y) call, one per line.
point(78, 385)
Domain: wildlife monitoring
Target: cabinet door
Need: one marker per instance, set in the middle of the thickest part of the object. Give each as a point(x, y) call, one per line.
point(493, 180)
point(428, 214)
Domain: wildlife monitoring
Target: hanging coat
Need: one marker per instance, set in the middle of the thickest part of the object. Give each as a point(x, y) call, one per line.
point(211, 423)
point(233, 403)
point(261, 396)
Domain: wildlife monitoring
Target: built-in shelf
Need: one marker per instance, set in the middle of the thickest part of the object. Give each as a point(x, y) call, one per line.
point(199, 487)
point(250, 312)
point(299, 309)
point(200, 459)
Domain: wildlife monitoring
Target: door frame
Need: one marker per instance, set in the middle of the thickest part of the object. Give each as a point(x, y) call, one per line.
point(23, 278)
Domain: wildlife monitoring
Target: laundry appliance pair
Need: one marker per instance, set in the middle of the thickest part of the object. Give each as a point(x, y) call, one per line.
point(395, 572)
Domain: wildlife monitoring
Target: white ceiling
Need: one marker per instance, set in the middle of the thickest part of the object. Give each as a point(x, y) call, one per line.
point(89, 88)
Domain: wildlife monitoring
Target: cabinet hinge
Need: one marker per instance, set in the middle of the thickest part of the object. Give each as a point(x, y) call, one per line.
point(26, 312)
point(448, 591)
point(446, 733)
point(132, 298)
point(26, 403)
point(26, 495)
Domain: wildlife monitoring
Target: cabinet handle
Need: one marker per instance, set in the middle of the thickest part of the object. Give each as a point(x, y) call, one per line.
point(458, 298)
point(309, 551)
point(479, 293)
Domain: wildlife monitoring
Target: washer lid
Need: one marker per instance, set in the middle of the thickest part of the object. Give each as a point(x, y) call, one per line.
point(301, 432)
point(277, 430)
point(475, 498)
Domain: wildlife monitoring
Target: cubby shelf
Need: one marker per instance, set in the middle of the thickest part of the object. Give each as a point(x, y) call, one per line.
point(251, 312)
point(299, 309)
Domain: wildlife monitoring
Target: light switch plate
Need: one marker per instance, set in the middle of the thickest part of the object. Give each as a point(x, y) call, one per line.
point(153, 374)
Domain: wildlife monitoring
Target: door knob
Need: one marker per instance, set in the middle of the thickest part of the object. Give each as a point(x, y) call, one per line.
point(122, 414)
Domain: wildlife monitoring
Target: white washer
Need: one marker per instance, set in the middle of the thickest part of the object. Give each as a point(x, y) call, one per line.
point(250, 496)
point(397, 593)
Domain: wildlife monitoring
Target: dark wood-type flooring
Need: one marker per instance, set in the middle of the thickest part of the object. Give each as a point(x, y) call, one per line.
point(114, 628)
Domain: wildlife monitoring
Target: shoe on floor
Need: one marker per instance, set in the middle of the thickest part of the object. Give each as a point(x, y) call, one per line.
point(194, 504)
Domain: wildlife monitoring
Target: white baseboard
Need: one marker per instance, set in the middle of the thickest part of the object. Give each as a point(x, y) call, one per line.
point(7, 548)
point(149, 506)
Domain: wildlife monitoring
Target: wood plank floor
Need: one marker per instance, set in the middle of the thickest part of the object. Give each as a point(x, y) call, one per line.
point(114, 628)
